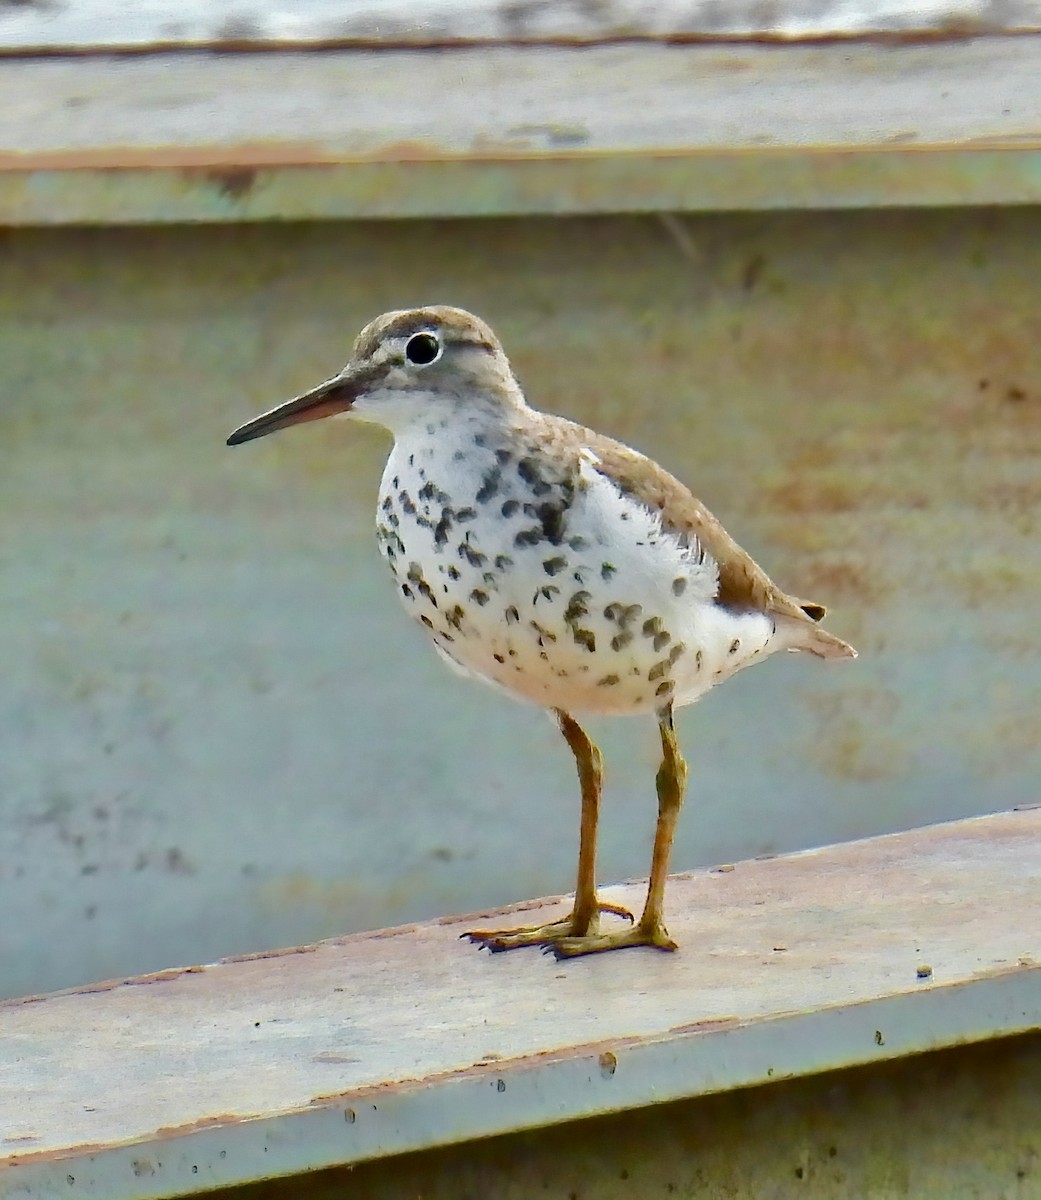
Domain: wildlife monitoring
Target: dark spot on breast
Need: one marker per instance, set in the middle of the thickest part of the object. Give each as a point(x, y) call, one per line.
point(455, 617)
point(426, 621)
point(512, 615)
point(474, 557)
point(405, 500)
point(545, 635)
point(387, 504)
point(489, 485)
point(498, 658)
point(509, 507)
point(502, 457)
point(415, 572)
point(453, 572)
point(395, 484)
point(465, 514)
point(607, 681)
point(621, 640)
point(699, 658)
point(652, 626)
point(676, 653)
point(585, 637)
point(406, 591)
point(479, 597)
point(553, 566)
point(490, 579)
point(528, 537)
point(631, 613)
point(664, 688)
point(448, 637)
point(551, 517)
point(679, 585)
point(735, 645)
point(458, 456)
point(547, 592)
point(578, 543)
point(607, 570)
point(658, 670)
point(502, 561)
point(480, 440)
point(662, 639)
point(442, 527)
point(528, 470)
point(430, 491)
point(578, 606)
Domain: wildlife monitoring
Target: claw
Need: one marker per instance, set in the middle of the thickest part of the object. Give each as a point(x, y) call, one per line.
point(546, 936)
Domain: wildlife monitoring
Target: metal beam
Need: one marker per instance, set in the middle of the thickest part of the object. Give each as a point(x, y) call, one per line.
point(381, 1043)
point(508, 130)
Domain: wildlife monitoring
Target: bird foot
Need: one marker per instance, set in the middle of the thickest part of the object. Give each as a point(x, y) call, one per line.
point(596, 943)
point(549, 935)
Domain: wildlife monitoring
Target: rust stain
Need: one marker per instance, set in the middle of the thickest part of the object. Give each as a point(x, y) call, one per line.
point(171, 1131)
point(482, 1070)
point(105, 985)
point(807, 495)
point(841, 580)
point(276, 155)
point(282, 952)
point(707, 1025)
point(243, 37)
point(489, 914)
point(235, 182)
point(851, 739)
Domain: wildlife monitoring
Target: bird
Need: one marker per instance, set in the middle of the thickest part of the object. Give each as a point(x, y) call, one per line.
point(556, 564)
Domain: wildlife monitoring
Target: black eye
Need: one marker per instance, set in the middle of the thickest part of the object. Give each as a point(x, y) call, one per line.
point(422, 348)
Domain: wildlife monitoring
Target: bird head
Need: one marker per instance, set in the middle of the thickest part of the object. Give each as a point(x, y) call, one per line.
point(406, 366)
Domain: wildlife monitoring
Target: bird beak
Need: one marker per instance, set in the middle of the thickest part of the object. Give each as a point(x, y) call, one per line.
point(326, 400)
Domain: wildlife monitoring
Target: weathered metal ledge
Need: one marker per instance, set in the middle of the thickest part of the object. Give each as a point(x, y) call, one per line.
point(380, 1043)
point(499, 130)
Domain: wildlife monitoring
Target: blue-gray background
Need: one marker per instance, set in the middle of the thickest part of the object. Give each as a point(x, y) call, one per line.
point(218, 733)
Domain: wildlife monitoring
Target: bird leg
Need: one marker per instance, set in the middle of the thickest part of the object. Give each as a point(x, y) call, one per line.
point(671, 782)
point(584, 919)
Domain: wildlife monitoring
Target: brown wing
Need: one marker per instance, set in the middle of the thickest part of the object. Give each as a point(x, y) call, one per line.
point(743, 584)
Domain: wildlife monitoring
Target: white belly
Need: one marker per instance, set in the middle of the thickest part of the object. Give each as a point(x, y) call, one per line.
point(573, 598)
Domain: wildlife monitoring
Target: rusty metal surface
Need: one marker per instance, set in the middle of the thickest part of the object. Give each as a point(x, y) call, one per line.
point(504, 130)
point(46, 24)
point(380, 1043)
point(218, 733)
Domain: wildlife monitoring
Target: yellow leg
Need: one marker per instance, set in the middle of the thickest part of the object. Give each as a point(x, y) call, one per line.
point(650, 930)
point(584, 920)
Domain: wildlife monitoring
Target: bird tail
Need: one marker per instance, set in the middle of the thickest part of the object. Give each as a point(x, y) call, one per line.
point(802, 633)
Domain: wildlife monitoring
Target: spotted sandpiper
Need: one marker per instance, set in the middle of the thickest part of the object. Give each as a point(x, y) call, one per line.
point(554, 563)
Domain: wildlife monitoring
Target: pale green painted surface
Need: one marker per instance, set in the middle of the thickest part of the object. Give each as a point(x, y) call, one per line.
point(217, 731)
point(959, 1125)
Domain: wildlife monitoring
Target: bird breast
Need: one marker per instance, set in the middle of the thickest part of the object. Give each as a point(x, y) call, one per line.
point(543, 578)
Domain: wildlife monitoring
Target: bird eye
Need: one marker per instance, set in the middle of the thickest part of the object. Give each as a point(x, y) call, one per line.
point(423, 349)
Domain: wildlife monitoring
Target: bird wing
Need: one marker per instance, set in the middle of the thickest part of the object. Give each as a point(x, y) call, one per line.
point(743, 584)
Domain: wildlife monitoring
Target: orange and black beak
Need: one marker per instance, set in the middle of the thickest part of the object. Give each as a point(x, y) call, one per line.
point(326, 400)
